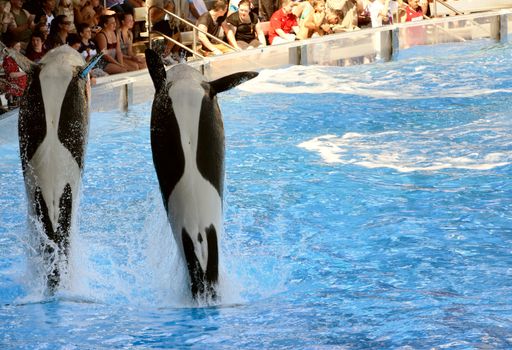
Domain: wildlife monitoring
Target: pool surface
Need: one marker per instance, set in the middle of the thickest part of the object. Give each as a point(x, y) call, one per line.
point(366, 207)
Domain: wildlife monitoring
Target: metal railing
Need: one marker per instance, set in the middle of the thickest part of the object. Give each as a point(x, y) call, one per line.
point(195, 30)
point(448, 6)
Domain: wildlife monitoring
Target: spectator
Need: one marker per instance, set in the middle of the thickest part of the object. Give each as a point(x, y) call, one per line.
point(90, 13)
point(88, 50)
point(59, 32)
point(412, 11)
point(315, 22)
point(46, 12)
point(267, 8)
point(233, 7)
point(363, 13)
point(35, 48)
point(346, 10)
point(74, 41)
point(66, 8)
point(282, 23)
point(126, 40)
point(164, 26)
point(43, 30)
point(332, 24)
point(18, 22)
point(381, 12)
point(107, 41)
point(16, 78)
point(302, 11)
point(213, 22)
point(119, 6)
point(244, 28)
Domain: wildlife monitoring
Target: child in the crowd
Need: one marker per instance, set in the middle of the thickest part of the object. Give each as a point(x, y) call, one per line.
point(35, 49)
point(16, 78)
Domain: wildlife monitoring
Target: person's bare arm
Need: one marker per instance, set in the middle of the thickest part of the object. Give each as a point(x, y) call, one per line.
point(230, 34)
point(261, 35)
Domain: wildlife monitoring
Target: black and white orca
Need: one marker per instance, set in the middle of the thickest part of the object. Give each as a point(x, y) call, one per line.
point(53, 127)
point(187, 141)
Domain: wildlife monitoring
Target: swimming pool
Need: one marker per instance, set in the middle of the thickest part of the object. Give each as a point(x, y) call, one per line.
point(366, 207)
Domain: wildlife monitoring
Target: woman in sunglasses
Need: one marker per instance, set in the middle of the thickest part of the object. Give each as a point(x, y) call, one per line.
point(59, 31)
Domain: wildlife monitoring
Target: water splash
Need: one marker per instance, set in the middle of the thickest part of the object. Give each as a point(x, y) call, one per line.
point(432, 150)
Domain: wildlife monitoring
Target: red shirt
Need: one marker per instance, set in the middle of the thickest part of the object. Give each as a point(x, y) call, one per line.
point(18, 84)
point(413, 15)
point(280, 20)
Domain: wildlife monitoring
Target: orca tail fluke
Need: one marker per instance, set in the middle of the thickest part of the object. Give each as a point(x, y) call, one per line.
point(203, 284)
point(55, 243)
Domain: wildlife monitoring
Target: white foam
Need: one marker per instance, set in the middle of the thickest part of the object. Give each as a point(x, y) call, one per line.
point(408, 151)
point(370, 83)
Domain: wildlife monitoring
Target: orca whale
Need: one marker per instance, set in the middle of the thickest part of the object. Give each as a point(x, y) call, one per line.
point(53, 126)
point(187, 141)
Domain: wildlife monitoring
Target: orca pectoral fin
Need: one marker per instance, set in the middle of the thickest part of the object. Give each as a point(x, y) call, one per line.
point(156, 69)
point(90, 66)
point(230, 81)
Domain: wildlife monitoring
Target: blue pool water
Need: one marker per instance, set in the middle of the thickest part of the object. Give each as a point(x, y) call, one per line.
point(367, 207)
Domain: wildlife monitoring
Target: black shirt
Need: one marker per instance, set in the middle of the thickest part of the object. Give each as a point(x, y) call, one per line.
point(244, 31)
point(213, 26)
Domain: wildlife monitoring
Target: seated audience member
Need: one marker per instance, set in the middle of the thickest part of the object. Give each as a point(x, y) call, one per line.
point(302, 11)
point(364, 19)
point(381, 12)
point(17, 22)
point(107, 41)
point(282, 24)
point(161, 24)
point(315, 22)
point(90, 13)
point(74, 41)
point(412, 11)
point(119, 6)
point(266, 8)
point(16, 78)
point(244, 28)
point(88, 51)
point(126, 38)
point(43, 30)
point(59, 32)
point(233, 7)
point(212, 22)
point(346, 10)
point(46, 12)
point(35, 48)
point(332, 24)
point(66, 8)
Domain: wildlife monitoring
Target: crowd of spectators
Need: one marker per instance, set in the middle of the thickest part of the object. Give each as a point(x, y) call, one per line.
point(34, 27)
point(246, 24)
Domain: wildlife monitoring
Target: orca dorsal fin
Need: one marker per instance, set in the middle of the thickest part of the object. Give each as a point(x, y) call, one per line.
point(230, 81)
point(156, 69)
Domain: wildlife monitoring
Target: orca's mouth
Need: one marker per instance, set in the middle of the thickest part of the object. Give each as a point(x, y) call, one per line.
point(202, 283)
